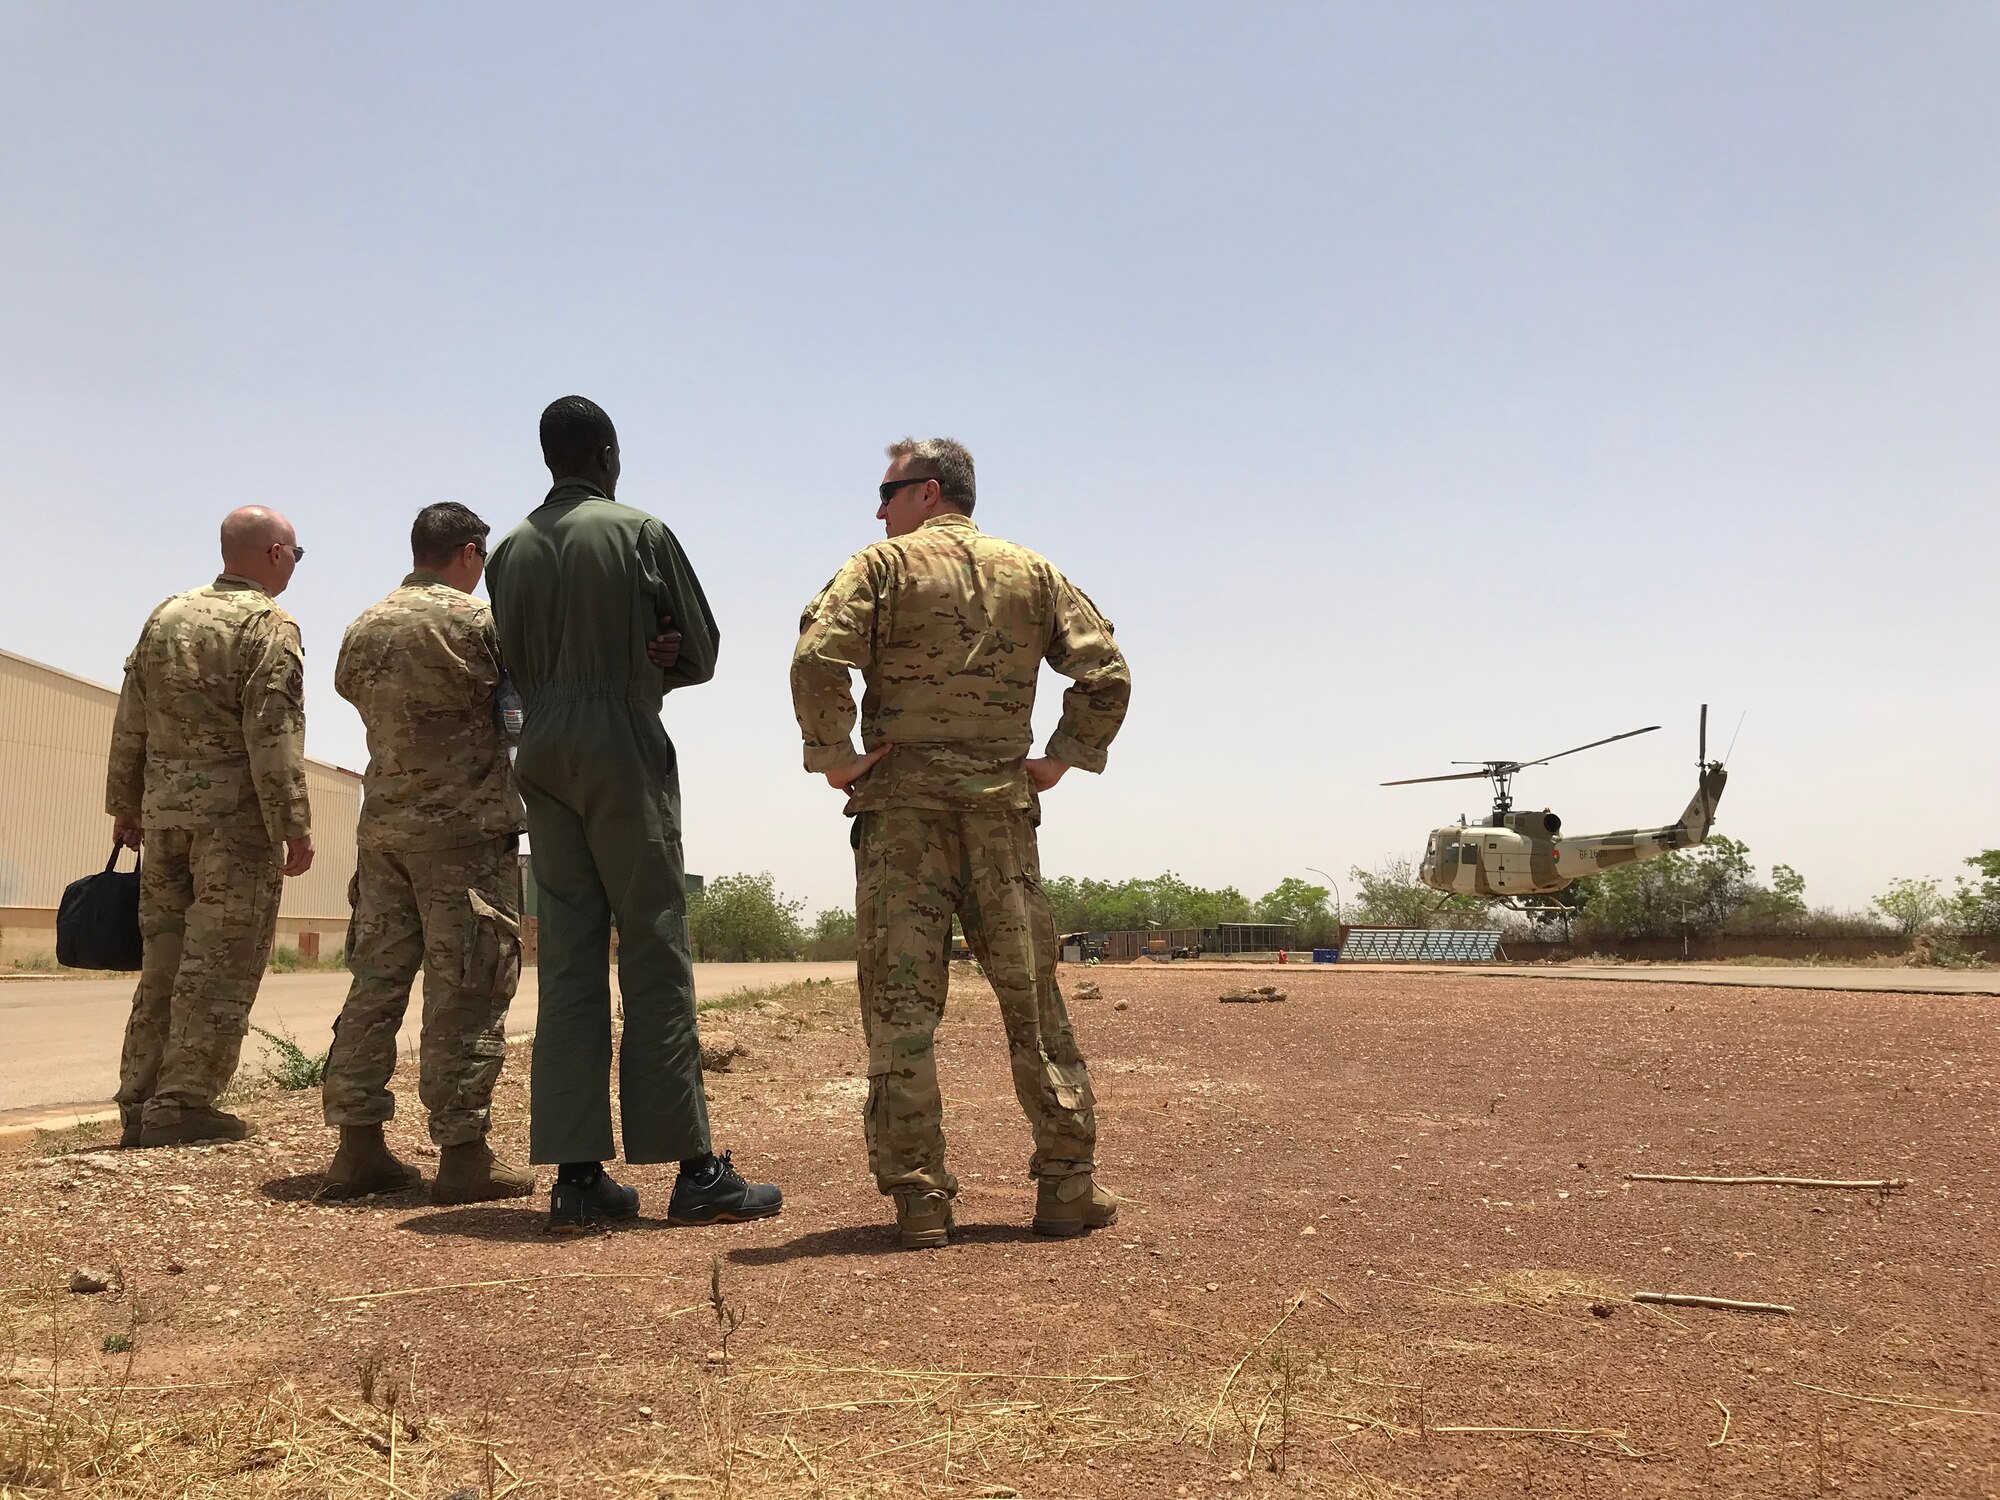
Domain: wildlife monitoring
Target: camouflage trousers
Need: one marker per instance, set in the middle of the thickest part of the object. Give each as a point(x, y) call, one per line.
point(455, 914)
point(915, 867)
point(208, 910)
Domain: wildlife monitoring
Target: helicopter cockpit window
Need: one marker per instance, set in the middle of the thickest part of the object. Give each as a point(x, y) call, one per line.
point(1468, 854)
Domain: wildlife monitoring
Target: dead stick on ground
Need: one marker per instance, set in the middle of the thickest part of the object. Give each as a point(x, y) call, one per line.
point(1874, 1184)
point(355, 1427)
point(1560, 1434)
point(1728, 1304)
point(1956, 1411)
point(811, 1472)
point(934, 1374)
point(1250, 1463)
point(1725, 1425)
point(461, 1286)
point(1237, 1368)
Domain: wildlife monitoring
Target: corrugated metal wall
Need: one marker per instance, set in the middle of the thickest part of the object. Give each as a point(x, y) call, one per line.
point(55, 736)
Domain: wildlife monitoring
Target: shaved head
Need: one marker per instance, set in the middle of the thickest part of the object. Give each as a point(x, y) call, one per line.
point(257, 544)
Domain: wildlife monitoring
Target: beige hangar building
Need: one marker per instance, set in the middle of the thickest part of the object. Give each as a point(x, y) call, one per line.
point(55, 738)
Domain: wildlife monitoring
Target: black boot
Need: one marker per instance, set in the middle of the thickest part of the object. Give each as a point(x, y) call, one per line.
point(584, 1196)
point(711, 1191)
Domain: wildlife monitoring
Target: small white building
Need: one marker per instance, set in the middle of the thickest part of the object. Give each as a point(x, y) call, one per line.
point(55, 748)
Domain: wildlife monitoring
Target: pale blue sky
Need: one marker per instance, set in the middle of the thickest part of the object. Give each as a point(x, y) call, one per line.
point(1408, 383)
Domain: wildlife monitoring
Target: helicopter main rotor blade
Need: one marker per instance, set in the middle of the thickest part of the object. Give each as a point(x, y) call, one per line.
point(1591, 746)
point(1454, 776)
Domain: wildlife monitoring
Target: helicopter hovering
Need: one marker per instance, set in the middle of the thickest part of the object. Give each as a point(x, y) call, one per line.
point(1522, 858)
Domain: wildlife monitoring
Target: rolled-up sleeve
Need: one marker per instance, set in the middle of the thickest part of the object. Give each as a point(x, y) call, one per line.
point(1081, 647)
point(836, 637)
point(125, 785)
point(274, 724)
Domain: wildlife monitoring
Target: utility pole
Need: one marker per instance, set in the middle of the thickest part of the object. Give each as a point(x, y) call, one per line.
point(1336, 892)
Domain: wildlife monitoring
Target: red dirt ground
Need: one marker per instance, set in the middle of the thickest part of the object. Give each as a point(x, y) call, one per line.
point(1416, 1180)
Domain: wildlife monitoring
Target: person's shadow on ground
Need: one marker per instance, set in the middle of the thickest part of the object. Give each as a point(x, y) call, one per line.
point(869, 1239)
point(520, 1224)
point(305, 1188)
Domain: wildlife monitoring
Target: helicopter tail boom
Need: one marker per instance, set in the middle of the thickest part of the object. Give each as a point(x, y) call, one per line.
point(1577, 857)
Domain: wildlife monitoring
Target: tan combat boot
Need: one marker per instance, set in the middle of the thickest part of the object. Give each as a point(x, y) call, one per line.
point(194, 1126)
point(1067, 1206)
point(923, 1218)
point(363, 1165)
point(470, 1173)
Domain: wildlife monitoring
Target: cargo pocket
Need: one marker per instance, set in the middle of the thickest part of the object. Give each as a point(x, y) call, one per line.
point(491, 958)
point(353, 911)
point(1068, 1086)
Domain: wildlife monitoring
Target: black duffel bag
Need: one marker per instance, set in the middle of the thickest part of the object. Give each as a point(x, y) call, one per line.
point(97, 926)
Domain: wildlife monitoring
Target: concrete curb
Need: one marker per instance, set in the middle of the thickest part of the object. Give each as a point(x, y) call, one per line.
point(18, 1125)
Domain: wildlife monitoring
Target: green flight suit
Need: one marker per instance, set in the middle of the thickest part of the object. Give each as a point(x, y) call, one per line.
point(578, 590)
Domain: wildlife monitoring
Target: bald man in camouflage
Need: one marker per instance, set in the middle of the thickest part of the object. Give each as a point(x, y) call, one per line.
point(437, 882)
point(949, 628)
point(208, 778)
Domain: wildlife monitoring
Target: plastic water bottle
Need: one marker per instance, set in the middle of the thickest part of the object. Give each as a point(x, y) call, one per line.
point(512, 709)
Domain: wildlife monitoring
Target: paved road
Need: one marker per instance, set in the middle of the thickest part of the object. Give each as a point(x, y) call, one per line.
point(59, 1037)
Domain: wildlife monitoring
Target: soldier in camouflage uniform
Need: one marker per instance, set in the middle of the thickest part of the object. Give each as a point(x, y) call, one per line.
point(949, 628)
point(208, 778)
point(437, 881)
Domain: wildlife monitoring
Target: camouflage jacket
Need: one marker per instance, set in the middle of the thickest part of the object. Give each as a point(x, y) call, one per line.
point(422, 666)
point(949, 628)
point(211, 726)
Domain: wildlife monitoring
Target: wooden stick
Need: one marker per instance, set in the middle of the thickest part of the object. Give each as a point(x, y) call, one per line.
point(1571, 1435)
point(1872, 1184)
point(1684, 1299)
point(1956, 1411)
point(933, 1374)
point(1237, 1369)
point(1725, 1425)
point(460, 1286)
point(811, 1472)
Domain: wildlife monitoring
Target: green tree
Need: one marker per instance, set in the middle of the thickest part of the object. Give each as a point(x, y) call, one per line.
point(1676, 894)
point(1913, 906)
point(832, 935)
point(1303, 906)
point(1391, 895)
point(744, 919)
point(1975, 905)
point(1129, 905)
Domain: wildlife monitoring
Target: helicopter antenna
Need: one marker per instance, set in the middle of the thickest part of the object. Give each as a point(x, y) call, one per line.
point(1732, 739)
point(1701, 756)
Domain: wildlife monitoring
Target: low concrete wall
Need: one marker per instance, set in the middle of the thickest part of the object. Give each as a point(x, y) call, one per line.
point(1723, 948)
point(29, 932)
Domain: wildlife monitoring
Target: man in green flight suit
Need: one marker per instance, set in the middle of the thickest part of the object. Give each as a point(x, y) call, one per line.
point(579, 589)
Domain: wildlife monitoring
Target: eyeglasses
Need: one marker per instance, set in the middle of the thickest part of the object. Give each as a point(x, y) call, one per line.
point(298, 554)
point(886, 490)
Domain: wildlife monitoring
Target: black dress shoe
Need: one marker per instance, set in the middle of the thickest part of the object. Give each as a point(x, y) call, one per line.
point(715, 1193)
point(576, 1207)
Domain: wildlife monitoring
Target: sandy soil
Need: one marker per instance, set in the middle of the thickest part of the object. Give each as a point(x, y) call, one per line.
point(1378, 1242)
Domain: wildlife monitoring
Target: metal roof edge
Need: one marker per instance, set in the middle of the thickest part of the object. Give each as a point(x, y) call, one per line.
point(112, 694)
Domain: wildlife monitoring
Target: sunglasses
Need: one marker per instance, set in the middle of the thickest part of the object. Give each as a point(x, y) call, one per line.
point(886, 490)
